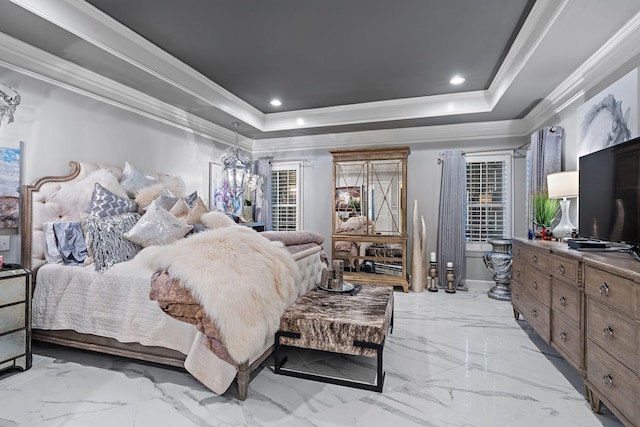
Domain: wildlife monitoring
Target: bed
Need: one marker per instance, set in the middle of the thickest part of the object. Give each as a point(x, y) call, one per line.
point(111, 311)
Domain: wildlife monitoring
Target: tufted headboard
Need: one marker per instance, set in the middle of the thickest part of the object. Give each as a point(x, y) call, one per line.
point(44, 202)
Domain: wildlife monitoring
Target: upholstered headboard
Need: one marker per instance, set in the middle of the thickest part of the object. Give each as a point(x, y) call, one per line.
point(47, 201)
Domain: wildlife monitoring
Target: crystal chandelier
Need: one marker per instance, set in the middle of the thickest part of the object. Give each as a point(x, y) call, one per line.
point(236, 167)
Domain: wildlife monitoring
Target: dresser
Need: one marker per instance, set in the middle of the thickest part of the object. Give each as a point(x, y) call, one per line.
point(15, 319)
point(586, 305)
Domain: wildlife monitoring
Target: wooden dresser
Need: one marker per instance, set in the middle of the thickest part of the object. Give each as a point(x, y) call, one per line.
point(586, 305)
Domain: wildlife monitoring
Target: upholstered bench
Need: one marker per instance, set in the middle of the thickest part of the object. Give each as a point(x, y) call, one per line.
point(353, 323)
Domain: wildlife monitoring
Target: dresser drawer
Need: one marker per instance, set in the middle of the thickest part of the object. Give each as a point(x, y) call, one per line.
point(13, 289)
point(538, 259)
point(564, 268)
point(615, 334)
point(567, 337)
point(534, 312)
point(538, 284)
point(519, 251)
point(13, 345)
point(12, 317)
point(565, 299)
point(518, 272)
point(613, 380)
point(615, 291)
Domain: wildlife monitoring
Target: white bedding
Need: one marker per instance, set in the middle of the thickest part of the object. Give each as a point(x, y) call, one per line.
point(116, 304)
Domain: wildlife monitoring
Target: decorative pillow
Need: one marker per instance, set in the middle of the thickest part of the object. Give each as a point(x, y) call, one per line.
point(166, 202)
point(78, 195)
point(175, 184)
point(105, 239)
point(196, 212)
point(105, 203)
point(157, 227)
point(180, 209)
point(134, 179)
point(51, 252)
point(191, 198)
point(146, 195)
point(70, 242)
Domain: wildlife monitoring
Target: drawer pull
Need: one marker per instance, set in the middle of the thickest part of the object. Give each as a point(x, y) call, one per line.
point(608, 332)
point(560, 269)
point(563, 301)
point(534, 259)
point(534, 285)
point(604, 289)
point(515, 295)
point(518, 251)
point(518, 273)
point(563, 336)
point(608, 380)
point(534, 313)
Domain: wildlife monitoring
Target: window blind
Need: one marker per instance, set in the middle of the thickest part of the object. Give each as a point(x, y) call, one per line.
point(487, 200)
point(284, 199)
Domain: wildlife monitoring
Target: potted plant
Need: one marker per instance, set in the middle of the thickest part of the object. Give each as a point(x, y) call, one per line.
point(544, 212)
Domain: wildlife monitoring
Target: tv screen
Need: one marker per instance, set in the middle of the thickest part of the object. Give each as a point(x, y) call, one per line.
point(609, 201)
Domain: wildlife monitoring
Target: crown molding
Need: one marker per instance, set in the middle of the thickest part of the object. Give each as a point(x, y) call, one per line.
point(28, 60)
point(85, 21)
point(392, 137)
point(617, 51)
point(542, 17)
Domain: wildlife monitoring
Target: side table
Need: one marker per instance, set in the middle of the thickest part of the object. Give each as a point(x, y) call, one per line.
point(354, 323)
point(15, 318)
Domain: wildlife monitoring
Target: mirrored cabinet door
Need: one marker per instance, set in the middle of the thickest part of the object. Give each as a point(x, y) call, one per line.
point(369, 215)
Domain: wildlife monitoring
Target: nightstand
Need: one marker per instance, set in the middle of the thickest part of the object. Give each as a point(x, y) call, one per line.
point(15, 318)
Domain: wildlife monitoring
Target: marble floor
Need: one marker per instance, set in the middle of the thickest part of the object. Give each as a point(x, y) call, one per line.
point(452, 360)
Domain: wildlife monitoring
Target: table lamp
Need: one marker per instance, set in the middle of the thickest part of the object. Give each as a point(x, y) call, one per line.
point(562, 185)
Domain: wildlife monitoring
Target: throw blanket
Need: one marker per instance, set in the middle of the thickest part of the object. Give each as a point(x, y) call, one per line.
point(243, 281)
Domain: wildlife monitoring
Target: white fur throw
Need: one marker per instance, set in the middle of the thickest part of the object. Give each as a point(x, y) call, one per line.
point(243, 281)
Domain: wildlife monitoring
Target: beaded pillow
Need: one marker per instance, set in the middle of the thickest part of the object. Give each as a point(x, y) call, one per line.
point(157, 227)
point(104, 203)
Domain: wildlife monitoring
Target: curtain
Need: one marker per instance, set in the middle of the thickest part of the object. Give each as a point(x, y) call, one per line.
point(262, 211)
point(543, 157)
point(451, 221)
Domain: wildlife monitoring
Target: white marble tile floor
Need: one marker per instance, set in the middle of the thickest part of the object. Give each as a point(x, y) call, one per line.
point(452, 360)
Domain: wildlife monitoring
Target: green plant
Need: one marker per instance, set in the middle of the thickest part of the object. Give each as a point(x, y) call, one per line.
point(544, 209)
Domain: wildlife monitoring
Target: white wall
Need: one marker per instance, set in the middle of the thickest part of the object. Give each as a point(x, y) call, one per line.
point(56, 125)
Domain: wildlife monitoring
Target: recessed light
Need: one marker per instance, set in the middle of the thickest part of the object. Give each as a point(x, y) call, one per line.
point(457, 80)
point(276, 102)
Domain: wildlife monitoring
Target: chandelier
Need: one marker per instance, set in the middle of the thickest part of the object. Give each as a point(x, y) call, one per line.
point(236, 167)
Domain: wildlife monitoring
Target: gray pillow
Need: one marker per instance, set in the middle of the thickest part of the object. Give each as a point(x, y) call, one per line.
point(134, 179)
point(105, 239)
point(70, 242)
point(104, 203)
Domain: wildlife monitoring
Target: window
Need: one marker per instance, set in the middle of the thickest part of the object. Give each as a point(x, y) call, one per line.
point(488, 213)
point(286, 186)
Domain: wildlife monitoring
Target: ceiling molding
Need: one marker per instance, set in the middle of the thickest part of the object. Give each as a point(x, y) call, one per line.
point(542, 17)
point(28, 60)
point(83, 20)
point(393, 137)
point(617, 51)
point(97, 28)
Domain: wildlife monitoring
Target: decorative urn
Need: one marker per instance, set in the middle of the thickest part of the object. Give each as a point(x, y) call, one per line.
point(499, 261)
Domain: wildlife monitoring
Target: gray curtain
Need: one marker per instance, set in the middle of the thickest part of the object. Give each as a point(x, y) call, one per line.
point(451, 221)
point(262, 210)
point(544, 156)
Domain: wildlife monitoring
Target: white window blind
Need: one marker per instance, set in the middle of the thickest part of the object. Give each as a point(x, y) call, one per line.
point(488, 214)
point(285, 196)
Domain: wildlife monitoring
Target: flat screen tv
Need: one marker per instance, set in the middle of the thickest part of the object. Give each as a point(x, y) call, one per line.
point(609, 202)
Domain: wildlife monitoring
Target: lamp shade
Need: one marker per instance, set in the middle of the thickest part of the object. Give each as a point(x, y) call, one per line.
point(562, 184)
